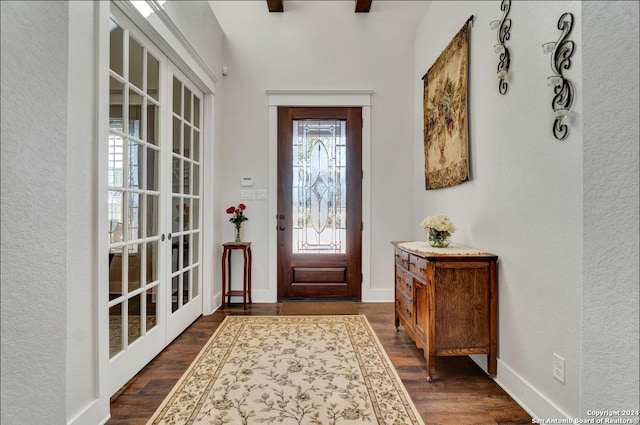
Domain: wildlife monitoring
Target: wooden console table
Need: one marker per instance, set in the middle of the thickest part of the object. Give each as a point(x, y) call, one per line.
point(446, 299)
point(227, 293)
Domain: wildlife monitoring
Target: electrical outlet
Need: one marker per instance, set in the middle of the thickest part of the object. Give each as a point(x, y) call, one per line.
point(558, 367)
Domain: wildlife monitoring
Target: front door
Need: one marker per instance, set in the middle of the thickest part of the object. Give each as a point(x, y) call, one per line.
point(319, 202)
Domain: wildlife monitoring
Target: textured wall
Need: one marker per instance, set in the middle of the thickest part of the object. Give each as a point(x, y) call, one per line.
point(610, 148)
point(34, 208)
point(524, 199)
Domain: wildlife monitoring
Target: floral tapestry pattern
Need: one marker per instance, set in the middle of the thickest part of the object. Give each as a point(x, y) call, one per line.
point(445, 115)
point(290, 370)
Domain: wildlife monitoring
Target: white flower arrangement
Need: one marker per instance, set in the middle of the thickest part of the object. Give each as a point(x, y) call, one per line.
point(439, 229)
point(439, 222)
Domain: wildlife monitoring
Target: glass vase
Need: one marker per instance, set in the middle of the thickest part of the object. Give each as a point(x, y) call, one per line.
point(238, 238)
point(439, 238)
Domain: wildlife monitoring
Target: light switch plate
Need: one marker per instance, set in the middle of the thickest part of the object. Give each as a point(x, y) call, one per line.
point(261, 194)
point(247, 194)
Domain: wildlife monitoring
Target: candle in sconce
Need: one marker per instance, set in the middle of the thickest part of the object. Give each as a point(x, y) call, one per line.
point(554, 80)
point(548, 47)
point(561, 112)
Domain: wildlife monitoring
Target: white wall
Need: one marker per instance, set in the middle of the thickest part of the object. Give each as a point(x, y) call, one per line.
point(529, 201)
point(610, 151)
point(318, 45)
point(199, 25)
point(82, 320)
point(34, 211)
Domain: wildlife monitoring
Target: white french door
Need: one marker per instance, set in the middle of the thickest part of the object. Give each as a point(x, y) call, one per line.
point(153, 201)
point(185, 229)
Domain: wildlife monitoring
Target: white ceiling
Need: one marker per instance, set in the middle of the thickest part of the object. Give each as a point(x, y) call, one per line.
point(231, 14)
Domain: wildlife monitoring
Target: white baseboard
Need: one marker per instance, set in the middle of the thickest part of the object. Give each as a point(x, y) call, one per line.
point(95, 413)
point(527, 396)
point(377, 295)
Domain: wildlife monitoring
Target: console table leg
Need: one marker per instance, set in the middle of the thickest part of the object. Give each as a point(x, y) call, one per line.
point(249, 278)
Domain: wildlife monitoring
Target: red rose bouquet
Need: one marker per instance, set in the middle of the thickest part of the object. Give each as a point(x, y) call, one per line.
point(237, 217)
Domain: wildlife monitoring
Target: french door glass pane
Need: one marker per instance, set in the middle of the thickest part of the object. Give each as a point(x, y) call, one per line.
point(186, 209)
point(176, 179)
point(116, 218)
point(134, 319)
point(196, 111)
point(152, 307)
point(187, 178)
point(174, 293)
point(135, 165)
point(177, 142)
point(152, 123)
point(135, 268)
point(116, 160)
point(185, 287)
point(196, 145)
point(187, 104)
point(177, 96)
point(115, 273)
point(175, 215)
point(152, 215)
point(152, 262)
point(116, 37)
point(196, 179)
point(187, 141)
point(319, 186)
point(153, 76)
point(136, 56)
point(133, 216)
point(115, 330)
point(135, 114)
point(116, 100)
point(195, 213)
point(153, 169)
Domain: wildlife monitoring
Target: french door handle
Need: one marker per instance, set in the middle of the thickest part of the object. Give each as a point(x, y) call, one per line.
point(169, 236)
point(162, 237)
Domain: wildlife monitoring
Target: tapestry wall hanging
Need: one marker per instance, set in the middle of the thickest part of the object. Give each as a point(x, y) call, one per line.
point(446, 136)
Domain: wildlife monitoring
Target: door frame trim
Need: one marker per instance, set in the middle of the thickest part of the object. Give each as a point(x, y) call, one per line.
point(337, 98)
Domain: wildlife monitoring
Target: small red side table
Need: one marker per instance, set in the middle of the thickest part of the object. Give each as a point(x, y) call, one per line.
point(227, 293)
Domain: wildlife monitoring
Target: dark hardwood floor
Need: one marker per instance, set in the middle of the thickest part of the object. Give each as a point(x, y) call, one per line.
point(461, 393)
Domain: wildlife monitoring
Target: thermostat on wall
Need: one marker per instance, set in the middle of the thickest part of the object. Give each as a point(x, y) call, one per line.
point(247, 181)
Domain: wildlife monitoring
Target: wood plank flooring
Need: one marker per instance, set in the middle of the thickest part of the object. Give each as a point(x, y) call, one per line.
point(461, 394)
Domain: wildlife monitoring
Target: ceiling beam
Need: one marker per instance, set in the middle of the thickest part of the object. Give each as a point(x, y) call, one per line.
point(275, 5)
point(363, 6)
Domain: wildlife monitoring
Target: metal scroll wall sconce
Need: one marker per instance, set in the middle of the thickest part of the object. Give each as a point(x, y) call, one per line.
point(563, 88)
point(504, 32)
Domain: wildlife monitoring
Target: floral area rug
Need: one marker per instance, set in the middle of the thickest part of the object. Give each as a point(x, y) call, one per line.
point(326, 370)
